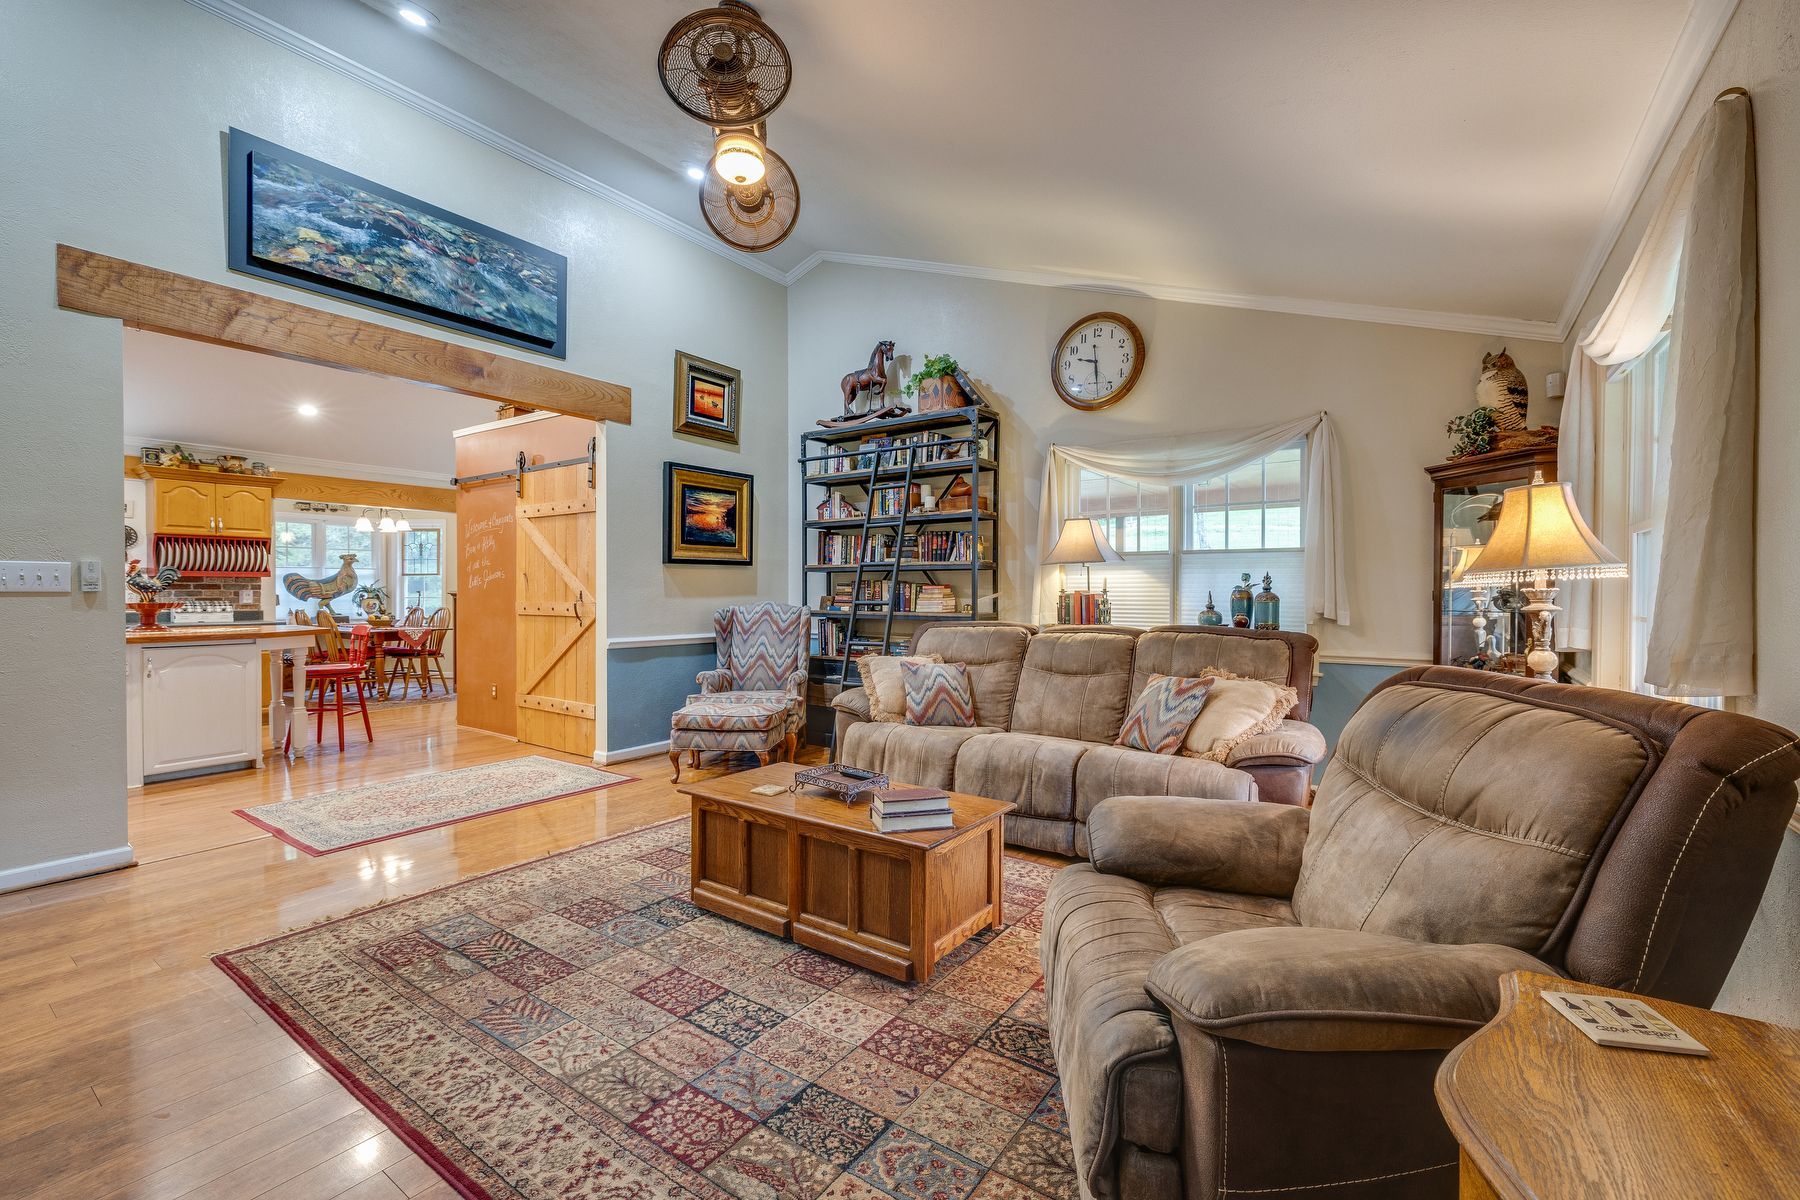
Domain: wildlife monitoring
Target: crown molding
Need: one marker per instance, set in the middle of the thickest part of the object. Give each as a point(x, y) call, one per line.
point(1512, 327)
point(288, 39)
point(281, 464)
point(1693, 50)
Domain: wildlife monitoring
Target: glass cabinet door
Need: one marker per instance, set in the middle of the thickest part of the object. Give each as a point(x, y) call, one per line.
point(1469, 514)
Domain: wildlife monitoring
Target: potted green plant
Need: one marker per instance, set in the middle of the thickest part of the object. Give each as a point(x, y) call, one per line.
point(936, 386)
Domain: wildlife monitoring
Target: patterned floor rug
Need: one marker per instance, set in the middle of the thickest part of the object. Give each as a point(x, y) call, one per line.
point(356, 816)
point(574, 1027)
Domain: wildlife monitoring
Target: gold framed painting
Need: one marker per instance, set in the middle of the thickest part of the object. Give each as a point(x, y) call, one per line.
point(708, 516)
point(706, 398)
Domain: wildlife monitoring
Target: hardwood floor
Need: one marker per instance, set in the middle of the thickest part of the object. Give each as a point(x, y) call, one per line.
point(131, 1067)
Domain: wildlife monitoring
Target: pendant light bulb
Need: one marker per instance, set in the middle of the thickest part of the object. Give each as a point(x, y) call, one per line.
point(386, 524)
point(738, 157)
point(402, 525)
point(363, 524)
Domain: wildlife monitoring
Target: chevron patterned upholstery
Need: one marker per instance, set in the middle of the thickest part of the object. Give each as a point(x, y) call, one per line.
point(1159, 718)
point(761, 652)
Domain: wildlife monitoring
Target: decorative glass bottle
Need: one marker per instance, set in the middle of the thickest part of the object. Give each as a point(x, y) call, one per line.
point(1241, 600)
point(1266, 613)
point(1105, 605)
point(1210, 615)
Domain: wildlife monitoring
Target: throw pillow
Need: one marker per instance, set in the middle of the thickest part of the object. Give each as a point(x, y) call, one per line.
point(937, 694)
point(1159, 718)
point(881, 680)
point(1237, 709)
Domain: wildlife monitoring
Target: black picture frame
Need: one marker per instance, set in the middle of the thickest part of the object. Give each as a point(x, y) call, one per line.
point(543, 269)
point(680, 482)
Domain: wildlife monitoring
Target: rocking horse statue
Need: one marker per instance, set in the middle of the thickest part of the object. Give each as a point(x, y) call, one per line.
point(871, 382)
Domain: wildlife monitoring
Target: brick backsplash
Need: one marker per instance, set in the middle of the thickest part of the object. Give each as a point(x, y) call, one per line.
point(214, 589)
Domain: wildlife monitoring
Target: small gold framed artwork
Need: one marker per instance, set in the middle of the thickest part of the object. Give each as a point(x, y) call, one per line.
point(708, 516)
point(706, 398)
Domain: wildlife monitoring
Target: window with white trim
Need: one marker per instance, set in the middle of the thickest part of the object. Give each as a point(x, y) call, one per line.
point(1180, 543)
point(313, 546)
point(421, 568)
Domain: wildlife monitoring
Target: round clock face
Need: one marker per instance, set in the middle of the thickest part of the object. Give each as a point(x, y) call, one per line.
point(1098, 360)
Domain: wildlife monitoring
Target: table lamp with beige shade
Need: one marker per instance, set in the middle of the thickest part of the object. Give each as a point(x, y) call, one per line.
point(1539, 541)
point(1081, 541)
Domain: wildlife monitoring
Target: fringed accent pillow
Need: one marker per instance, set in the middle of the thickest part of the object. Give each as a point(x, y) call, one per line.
point(1159, 718)
point(1237, 709)
point(881, 680)
point(937, 693)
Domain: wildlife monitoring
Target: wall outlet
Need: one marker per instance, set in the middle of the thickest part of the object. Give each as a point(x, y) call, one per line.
point(247, 596)
point(34, 576)
point(493, 691)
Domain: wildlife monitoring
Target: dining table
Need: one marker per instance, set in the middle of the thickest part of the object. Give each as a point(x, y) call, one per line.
point(384, 637)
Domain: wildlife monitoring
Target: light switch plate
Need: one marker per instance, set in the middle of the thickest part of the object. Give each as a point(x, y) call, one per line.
point(34, 576)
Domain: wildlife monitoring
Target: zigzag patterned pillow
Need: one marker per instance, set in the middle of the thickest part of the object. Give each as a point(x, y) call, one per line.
point(937, 693)
point(1159, 718)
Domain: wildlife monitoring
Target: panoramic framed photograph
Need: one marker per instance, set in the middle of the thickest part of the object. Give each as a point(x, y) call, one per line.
point(706, 398)
point(305, 223)
point(708, 516)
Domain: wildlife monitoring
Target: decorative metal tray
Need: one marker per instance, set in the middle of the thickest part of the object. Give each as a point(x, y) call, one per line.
point(830, 779)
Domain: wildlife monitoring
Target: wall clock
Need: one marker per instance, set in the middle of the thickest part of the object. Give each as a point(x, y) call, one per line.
point(1097, 361)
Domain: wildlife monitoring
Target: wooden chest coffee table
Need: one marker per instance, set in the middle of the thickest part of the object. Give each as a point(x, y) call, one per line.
point(813, 869)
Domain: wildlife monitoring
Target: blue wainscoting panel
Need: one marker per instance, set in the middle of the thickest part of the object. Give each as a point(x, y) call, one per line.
point(644, 684)
point(1339, 689)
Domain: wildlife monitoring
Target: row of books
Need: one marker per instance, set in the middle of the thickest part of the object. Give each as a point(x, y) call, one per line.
point(901, 809)
point(935, 446)
point(830, 642)
point(912, 597)
point(933, 546)
point(1084, 608)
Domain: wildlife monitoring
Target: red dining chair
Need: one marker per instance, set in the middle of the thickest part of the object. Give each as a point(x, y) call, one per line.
point(334, 675)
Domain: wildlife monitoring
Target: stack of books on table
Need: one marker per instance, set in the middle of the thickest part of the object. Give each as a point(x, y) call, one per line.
point(902, 809)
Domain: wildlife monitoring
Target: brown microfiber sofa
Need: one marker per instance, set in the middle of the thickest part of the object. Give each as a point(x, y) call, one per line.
point(1253, 999)
point(1048, 704)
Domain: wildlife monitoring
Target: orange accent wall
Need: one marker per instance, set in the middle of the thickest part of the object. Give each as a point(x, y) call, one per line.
point(486, 596)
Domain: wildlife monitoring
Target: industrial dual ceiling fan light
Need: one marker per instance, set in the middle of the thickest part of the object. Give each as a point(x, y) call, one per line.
point(726, 67)
point(738, 157)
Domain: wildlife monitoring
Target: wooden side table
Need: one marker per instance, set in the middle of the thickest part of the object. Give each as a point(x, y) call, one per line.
point(1542, 1113)
point(814, 870)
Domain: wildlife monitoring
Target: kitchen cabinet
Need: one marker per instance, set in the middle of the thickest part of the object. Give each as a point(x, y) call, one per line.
point(186, 501)
point(198, 706)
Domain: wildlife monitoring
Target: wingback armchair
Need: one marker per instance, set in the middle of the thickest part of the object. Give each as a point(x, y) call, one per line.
point(1254, 998)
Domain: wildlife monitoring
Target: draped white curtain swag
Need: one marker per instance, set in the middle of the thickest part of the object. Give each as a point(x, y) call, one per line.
point(1697, 261)
point(1171, 462)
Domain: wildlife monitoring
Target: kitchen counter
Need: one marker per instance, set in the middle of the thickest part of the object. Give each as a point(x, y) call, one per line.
point(177, 634)
point(193, 697)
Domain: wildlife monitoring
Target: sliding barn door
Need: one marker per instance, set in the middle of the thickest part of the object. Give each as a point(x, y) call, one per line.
point(556, 587)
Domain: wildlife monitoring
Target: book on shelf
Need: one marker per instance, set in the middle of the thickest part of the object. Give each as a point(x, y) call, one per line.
point(935, 447)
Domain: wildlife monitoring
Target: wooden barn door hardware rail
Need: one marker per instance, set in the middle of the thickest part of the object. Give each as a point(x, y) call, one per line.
point(517, 474)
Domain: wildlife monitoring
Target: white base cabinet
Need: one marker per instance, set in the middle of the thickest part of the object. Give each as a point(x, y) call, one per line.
point(191, 708)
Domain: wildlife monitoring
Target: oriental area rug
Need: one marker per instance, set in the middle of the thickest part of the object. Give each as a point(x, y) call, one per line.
point(574, 1027)
point(375, 812)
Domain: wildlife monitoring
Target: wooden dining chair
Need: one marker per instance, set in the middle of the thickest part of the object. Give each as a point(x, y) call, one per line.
point(432, 658)
point(333, 676)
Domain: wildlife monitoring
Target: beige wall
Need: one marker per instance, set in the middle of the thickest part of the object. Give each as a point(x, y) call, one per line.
point(1758, 52)
point(115, 145)
point(1389, 390)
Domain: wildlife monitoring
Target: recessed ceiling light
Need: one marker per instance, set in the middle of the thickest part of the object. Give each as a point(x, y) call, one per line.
point(415, 16)
point(308, 410)
point(696, 173)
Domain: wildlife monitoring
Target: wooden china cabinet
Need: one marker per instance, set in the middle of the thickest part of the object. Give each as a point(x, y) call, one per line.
point(1465, 504)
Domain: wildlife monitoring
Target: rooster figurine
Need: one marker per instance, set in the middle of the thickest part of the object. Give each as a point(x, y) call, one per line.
point(324, 590)
point(149, 587)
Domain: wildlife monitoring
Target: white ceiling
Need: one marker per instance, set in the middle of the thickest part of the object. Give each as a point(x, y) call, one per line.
point(200, 394)
point(1453, 157)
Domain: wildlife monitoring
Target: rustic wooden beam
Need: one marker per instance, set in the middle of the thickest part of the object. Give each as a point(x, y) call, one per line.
point(335, 489)
point(164, 302)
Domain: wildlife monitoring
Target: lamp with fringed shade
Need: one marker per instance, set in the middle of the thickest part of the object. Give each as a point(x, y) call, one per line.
point(1539, 541)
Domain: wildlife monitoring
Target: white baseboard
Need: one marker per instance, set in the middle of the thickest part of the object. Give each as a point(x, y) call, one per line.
point(59, 869)
point(644, 751)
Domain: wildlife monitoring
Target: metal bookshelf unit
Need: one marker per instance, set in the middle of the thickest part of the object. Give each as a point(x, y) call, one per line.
point(938, 449)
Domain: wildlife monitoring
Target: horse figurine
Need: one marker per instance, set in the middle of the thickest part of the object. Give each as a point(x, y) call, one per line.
point(871, 379)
